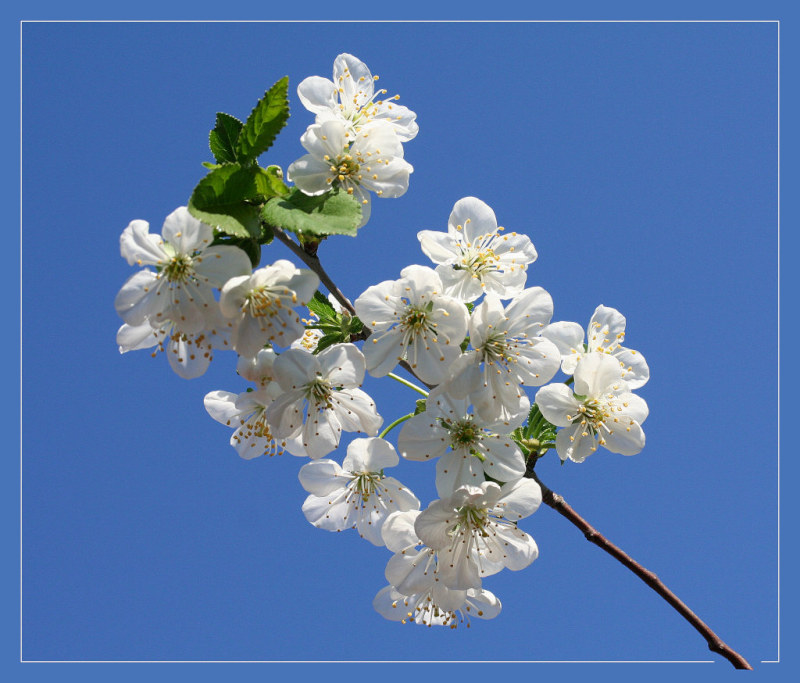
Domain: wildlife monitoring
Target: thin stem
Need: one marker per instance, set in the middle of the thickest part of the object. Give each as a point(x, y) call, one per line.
point(410, 385)
point(715, 644)
point(313, 262)
point(394, 424)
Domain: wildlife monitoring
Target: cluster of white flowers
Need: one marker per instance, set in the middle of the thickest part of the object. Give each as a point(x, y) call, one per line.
point(470, 330)
point(357, 140)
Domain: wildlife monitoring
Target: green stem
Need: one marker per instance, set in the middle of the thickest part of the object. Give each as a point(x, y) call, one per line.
point(410, 385)
point(394, 424)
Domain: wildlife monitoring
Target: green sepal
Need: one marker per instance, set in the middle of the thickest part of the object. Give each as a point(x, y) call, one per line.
point(420, 408)
point(464, 345)
point(264, 123)
point(223, 139)
point(331, 213)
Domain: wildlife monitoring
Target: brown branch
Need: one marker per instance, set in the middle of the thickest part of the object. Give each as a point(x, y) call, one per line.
point(551, 499)
point(310, 258)
point(715, 643)
point(313, 262)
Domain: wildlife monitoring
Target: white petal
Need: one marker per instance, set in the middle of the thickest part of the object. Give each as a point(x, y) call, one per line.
point(421, 438)
point(411, 572)
point(626, 437)
point(356, 411)
point(220, 263)
point(574, 443)
point(138, 247)
point(343, 365)
point(221, 405)
point(185, 233)
point(310, 175)
point(604, 327)
point(474, 216)
point(321, 433)
point(455, 469)
point(519, 499)
point(295, 368)
point(595, 373)
point(322, 477)
point(432, 524)
point(530, 311)
point(567, 336)
point(557, 404)
point(286, 413)
point(369, 455)
point(504, 461)
point(185, 358)
point(136, 337)
point(136, 300)
point(634, 367)
point(317, 94)
point(437, 246)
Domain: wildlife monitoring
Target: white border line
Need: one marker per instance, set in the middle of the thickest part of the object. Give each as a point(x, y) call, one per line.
point(400, 21)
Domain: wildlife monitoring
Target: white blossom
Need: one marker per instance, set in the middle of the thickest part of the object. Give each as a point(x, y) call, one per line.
point(507, 354)
point(320, 399)
point(357, 495)
point(410, 319)
point(350, 98)
point(601, 410)
point(370, 162)
point(605, 334)
point(437, 605)
point(474, 255)
point(475, 534)
point(258, 368)
point(188, 268)
point(189, 353)
point(467, 447)
point(261, 305)
point(416, 592)
point(247, 413)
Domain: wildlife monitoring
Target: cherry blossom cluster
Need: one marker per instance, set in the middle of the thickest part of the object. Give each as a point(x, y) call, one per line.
point(468, 329)
point(357, 140)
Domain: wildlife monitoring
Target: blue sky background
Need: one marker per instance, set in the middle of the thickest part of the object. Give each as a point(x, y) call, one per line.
point(641, 159)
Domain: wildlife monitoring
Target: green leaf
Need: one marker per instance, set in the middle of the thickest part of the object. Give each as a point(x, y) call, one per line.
point(332, 213)
point(220, 200)
point(269, 182)
point(264, 122)
point(326, 341)
point(355, 325)
point(222, 140)
point(320, 305)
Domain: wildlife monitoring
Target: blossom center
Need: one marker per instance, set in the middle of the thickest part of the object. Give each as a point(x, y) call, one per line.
point(262, 302)
point(319, 391)
point(497, 349)
point(365, 483)
point(478, 260)
point(471, 518)
point(463, 434)
point(344, 170)
point(416, 319)
point(179, 269)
